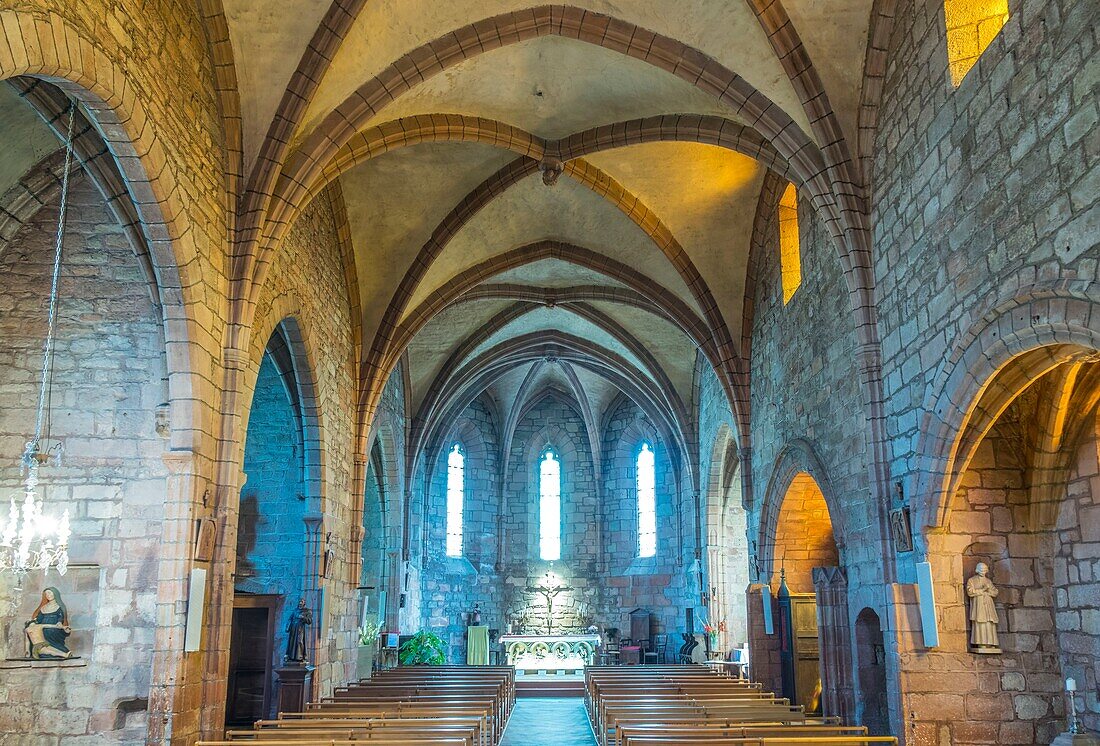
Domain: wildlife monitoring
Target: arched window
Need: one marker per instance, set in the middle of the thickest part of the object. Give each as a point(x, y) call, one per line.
point(647, 503)
point(790, 253)
point(971, 26)
point(550, 506)
point(456, 488)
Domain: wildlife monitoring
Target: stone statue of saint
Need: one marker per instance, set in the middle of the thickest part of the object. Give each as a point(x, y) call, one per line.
point(300, 618)
point(983, 614)
point(48, 628)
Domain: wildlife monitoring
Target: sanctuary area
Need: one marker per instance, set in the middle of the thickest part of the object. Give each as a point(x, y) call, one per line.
point(480, 372)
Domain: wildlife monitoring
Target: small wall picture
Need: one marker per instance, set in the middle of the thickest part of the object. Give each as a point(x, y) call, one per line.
point(204, 540)
point(901, 530)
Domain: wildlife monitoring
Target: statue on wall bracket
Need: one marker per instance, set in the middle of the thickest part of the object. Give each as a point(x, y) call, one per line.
point(983, 613)
point(48, 628)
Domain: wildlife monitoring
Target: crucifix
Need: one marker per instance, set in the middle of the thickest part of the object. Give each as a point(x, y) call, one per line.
point(548, 592)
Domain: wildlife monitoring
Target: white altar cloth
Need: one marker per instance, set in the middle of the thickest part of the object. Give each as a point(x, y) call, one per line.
point(550, 652)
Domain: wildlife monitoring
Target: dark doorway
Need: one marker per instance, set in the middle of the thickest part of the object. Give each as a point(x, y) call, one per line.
point(872, 708)
point(249, 693)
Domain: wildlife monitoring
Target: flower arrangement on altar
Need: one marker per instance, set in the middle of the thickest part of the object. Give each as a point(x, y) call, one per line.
point(713, 630)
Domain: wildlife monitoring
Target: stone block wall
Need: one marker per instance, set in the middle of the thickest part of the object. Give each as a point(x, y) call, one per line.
point(983, 194)
point(599, 538)
point(451, 586)
point(806, 388)
point(1077, 578)
point(109, 381)
point(658, 584)
point(982, 190)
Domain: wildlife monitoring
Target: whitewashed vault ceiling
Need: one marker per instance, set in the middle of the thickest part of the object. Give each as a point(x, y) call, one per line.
point(615, 275)
point(622, 212)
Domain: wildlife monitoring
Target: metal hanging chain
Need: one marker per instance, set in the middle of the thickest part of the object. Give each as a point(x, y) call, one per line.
point(47, 352)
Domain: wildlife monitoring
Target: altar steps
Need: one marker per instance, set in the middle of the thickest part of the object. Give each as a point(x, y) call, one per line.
point(547, 687)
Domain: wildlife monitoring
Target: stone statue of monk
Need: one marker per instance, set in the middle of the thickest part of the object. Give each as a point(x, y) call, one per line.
point(296, 646)
point(983, 614)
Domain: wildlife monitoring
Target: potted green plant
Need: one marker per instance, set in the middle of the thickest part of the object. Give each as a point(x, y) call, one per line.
point(422, 649)
point(368, 645)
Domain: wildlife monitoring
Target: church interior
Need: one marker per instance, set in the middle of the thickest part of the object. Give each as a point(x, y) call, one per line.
point(622, 372)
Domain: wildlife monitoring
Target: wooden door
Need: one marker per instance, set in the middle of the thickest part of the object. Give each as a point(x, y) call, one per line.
point(800, 650)
point(248, 697)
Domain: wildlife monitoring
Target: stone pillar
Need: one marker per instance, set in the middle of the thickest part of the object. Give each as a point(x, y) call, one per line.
point(311, 579)
point(174, 697)
point(834, 633)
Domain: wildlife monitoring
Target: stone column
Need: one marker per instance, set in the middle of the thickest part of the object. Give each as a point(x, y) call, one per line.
point(311, 578)
point(175, 694)
point(834, 632)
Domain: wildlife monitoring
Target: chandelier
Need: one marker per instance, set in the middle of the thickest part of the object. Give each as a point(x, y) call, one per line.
point(32, 539)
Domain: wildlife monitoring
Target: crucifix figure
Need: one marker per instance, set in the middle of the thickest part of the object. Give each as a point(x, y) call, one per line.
point(548, 591)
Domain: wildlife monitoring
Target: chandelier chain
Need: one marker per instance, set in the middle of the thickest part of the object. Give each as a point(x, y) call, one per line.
point(51, 323)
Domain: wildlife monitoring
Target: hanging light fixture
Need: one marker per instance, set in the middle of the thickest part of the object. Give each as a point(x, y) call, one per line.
point(32, 539)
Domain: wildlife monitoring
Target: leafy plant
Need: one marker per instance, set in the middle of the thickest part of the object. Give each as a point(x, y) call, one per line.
point(368, 633)
point(422, 649)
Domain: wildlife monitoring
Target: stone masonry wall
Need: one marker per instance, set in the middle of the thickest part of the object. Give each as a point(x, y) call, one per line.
point(658, 584)
point(1077, 578)
point(451, 586)
point(554, 421)
point(982, 193)
point(109, 381)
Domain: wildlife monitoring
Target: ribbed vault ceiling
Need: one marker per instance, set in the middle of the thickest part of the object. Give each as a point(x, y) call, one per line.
point(609, 280)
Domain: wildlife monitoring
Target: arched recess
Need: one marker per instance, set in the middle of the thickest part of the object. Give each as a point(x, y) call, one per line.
point(1013, 485)
point(872, 707)
point(372, 545)
point(108, 408)
point(629, 577)
point(726, 539)
point(798, 492)
point(1034, 330)
point(385, 468)
point(553, 422)
point(44, 46)
point(280, 528)
point(452, 586)
point(800, 550)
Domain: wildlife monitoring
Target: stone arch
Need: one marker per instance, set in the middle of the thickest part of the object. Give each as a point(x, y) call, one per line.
point(570, 449)
point(797, 472)
point(48, 47)
point(395, 518)
point(1036, 329)
point(283, 335)
point(725, 531)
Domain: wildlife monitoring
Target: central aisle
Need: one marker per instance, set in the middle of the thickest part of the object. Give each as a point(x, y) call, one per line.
point(548, 721)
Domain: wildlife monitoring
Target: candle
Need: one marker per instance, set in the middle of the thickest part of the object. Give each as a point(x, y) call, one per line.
point(1071, 685)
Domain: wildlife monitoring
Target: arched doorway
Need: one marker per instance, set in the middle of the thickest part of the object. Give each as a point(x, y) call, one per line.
point(274, 532)
point(872, 707)
point(802, 583)
point(727, 556)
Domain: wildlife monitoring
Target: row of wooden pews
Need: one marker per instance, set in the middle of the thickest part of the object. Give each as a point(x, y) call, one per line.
point(691, 705)
point(407, 706)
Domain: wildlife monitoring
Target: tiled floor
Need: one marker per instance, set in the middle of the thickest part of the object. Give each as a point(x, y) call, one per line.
point(548, 722)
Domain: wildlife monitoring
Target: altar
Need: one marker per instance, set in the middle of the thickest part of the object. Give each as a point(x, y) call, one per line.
point(550, 652)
